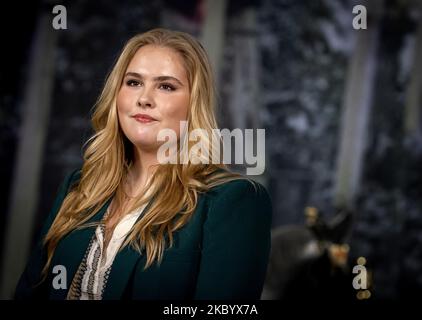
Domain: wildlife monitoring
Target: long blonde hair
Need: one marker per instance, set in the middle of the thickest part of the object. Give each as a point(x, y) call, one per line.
point(109, 155)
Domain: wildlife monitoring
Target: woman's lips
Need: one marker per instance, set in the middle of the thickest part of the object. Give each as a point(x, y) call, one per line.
point(144, 118)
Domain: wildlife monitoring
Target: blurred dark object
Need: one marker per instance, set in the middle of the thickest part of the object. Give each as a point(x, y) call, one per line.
point(311, 261)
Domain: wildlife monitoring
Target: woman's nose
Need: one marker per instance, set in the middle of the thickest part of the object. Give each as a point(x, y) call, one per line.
point(145, 98)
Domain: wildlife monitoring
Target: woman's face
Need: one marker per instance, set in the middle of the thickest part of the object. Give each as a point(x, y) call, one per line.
point(155, 86)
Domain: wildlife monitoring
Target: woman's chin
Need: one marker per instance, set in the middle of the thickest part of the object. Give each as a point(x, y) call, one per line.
point(146, 145)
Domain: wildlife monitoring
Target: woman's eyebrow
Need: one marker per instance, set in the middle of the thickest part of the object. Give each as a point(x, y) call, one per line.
point(157, 79)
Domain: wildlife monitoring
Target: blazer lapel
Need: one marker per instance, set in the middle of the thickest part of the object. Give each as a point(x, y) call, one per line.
point(122, 268)
point(73, 248)
point(121, 271)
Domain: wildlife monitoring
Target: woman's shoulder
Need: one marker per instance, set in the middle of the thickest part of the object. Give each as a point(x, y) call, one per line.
point(243, 204)
point(242, 189)
point(73, 177)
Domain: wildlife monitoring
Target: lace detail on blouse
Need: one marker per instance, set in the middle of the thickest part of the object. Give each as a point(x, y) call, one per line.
point(92, 275)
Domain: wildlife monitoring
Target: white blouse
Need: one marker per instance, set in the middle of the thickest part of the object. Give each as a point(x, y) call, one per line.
point(91, 278)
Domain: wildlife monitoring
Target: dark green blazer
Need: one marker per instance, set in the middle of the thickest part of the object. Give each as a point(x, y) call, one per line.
point(221, 253)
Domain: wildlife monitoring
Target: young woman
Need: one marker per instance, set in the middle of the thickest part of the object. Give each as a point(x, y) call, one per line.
point(126, 225)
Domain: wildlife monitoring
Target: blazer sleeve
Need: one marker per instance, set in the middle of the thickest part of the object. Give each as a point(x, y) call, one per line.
point(29, 286)
point(236, 243)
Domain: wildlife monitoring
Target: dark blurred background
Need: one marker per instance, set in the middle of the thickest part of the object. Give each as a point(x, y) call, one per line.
point(341, 108)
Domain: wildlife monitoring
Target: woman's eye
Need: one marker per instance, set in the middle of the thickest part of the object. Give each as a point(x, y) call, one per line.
point(132, 83)
point(167, 87)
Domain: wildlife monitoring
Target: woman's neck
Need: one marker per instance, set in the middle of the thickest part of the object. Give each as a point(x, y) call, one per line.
point(140, 171)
